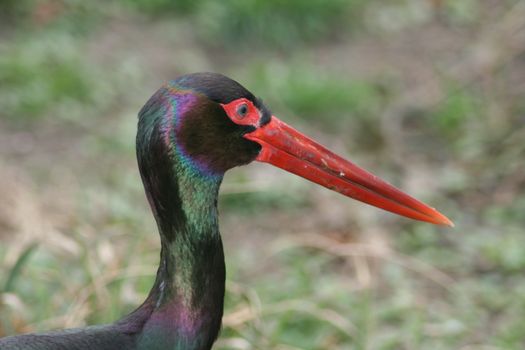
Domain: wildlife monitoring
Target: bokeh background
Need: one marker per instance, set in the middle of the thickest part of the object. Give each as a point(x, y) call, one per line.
point(429, 95)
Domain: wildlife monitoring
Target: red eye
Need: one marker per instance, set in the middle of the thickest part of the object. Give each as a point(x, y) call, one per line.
point(242, 111)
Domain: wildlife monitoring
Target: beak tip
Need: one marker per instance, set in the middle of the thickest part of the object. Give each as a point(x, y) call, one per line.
point(439, 219)
point(446, 221)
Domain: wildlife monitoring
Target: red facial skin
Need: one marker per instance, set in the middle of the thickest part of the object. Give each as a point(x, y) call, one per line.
point(288, 149)
point(251, 117)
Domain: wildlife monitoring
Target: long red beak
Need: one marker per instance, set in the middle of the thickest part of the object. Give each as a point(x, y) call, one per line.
point(288, 149)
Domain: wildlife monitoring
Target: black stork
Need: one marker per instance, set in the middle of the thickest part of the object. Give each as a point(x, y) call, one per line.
point(190, 132)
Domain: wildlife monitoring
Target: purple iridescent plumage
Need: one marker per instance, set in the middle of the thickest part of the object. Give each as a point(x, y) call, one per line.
point(177, 102)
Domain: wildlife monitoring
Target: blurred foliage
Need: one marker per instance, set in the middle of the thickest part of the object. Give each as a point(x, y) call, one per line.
point(309, 93)
point(454, 135)
point(277, 23)
point(257, 24)
point(42, 76)
point(262, 23)
point(462, 11)
point(164, 7)
point(456, 113)
point(65, 16)
point(255, 203)
point(12, 9)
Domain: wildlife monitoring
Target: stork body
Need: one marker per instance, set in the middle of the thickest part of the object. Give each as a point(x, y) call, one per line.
point(190, 132)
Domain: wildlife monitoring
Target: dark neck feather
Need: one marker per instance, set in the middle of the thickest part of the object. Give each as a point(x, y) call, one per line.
point(185, 306)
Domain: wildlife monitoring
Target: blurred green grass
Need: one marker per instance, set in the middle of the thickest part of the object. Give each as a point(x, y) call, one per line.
point(43, 74)
point(398, 88)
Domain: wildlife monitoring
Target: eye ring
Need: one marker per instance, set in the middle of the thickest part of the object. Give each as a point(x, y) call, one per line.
point(242, 110)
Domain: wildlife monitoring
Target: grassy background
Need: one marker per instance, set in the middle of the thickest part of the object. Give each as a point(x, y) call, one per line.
point(427, 94)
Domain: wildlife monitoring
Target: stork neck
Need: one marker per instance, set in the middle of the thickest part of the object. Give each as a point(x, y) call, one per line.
point(191, 254)
point(187, 298)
